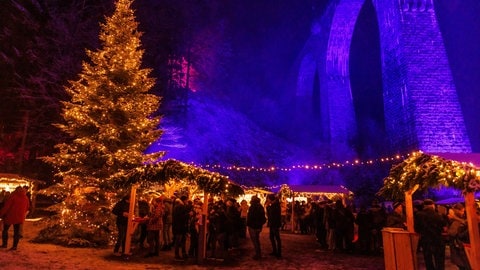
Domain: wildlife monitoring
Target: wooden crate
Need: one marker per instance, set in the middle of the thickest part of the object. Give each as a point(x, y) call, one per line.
point(399, 249)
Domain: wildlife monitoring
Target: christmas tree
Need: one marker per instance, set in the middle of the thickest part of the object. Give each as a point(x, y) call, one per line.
point(111, 121)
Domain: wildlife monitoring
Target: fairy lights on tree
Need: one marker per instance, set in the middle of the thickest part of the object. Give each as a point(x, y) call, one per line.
point(110, 120)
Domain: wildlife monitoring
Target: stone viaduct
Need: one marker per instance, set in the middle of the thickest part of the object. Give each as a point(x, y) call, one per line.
point(420, 101)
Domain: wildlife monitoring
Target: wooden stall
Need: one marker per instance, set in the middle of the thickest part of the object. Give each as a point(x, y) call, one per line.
point(9, 181)
point(311, 191)
point(423, 171)
point(175, 175)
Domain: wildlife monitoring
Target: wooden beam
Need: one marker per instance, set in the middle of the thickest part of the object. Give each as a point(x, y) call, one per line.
point(473, 230)
point(409, 209)
point(131, 226)
point(202, 243)
point(292, 220)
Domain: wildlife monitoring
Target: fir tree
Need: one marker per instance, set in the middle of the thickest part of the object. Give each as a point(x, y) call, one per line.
point(111, 122)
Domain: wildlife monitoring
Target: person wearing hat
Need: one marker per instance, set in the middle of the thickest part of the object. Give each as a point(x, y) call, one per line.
point(458, 234)
point(397, 219)
point(430, 225)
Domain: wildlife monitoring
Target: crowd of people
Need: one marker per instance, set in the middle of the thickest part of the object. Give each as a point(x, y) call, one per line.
point(168, 222)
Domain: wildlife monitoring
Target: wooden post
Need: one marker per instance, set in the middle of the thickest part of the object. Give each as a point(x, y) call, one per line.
point(473, 230)
point(292, 217)
point(130, 226)
point(409, 208)
point(202, 241)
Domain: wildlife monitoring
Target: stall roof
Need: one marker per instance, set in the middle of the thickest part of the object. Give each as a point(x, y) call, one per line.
point(17, 179)
point(319, 189)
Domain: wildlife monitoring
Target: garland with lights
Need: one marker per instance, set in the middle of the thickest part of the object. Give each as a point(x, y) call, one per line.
point(162, 172)
point(428, 171)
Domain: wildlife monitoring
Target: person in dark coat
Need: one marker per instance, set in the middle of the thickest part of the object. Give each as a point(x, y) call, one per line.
point(233, 224)
point(274, 217)
point(458, 234)
point(121, 209)
point(13, 213)
point(255, 221)
point(396, 219)
point(321, 230)
point(365, 224)
point(143, 211)
point(430, 225)
point(180, 217)
point(344, 222)
point(218, 230)
point(379, 218)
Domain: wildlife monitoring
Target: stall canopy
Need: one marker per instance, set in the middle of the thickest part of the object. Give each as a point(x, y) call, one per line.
point(473, 158)
point(320, 189)
point(9, 181)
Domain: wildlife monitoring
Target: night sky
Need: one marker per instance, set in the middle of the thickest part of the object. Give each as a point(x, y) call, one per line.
point(245, 56)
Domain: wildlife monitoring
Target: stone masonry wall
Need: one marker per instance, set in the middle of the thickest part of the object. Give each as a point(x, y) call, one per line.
point(421, 103)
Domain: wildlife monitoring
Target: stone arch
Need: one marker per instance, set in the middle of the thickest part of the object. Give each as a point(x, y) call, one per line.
point(337, 78)
point(420, 100)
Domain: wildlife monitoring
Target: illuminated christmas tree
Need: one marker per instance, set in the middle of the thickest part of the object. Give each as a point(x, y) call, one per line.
point(111, 121)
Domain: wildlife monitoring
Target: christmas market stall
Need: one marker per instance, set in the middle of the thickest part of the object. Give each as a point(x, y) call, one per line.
point(9, 182)
point(176, 175)
point(313, 192)
point(254, 191)
point(421, 171)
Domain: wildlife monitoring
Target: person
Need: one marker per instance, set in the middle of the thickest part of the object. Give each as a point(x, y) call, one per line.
point(430, 225)
point(13, 213)
point(180, 217)
point(218, 231)
point(396, 219)
point(233, 223)
point(121, 209)
point(379, 217)
point(283, 208)
point(243, 217)
point(143, 211)
point(364, 223)
point(330, 225)
point(167, 237)
point(321, 230)
point(344, 223)
point(255, 221)
point(274, 216)
point(458, 234)
point(194, 228)
point(154, 226)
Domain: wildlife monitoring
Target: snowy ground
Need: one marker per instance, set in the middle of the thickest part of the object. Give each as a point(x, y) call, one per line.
point(300, 252)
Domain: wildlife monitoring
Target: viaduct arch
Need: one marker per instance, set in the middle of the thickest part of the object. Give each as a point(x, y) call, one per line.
point(421, 105)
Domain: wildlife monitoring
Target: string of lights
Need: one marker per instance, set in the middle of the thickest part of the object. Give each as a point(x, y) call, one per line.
point(323, 166)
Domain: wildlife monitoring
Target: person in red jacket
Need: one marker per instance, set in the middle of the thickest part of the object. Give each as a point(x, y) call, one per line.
point(13, 213)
